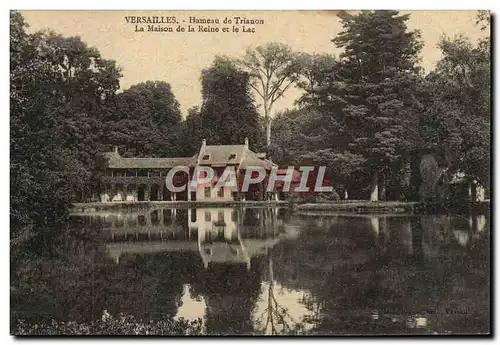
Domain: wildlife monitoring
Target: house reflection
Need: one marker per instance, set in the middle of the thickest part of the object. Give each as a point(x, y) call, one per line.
point(218, 235)
point(219, 240)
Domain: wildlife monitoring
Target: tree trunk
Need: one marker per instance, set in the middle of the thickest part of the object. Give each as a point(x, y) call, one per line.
point(374, 187)
point(268, 132)
point(473, 192)
point(383, 189)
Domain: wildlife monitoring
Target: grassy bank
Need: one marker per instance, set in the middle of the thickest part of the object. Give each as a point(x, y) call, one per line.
point(360, 206)
point(396, 207)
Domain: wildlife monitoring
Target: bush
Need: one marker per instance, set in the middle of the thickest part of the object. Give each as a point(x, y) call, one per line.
point(109, 325)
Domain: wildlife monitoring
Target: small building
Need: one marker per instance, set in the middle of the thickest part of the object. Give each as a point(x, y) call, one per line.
point(144, 179)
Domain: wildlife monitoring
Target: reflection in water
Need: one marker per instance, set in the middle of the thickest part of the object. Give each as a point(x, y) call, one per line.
point(263, 270)
point(191, 308)
point(217, 235)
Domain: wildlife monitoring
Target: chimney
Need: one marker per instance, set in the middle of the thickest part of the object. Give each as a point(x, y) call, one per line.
point(115, 149)
point(204, 142)
point(246, 142)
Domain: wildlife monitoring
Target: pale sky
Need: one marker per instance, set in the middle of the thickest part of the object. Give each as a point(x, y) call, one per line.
point(179, 57)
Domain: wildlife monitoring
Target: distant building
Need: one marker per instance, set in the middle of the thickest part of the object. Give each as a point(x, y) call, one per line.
point(144, 179)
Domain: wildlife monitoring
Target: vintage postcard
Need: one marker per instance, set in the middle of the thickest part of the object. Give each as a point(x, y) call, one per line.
point(250, 172)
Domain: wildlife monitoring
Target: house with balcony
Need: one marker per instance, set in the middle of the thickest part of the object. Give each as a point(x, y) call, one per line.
point(144, 179)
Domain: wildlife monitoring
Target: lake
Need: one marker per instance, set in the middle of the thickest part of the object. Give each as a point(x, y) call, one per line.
point(265, 271)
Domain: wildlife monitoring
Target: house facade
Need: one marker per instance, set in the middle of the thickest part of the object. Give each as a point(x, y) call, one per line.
point(144, 179)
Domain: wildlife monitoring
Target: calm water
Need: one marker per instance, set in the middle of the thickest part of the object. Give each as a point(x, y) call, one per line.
point(261, 270)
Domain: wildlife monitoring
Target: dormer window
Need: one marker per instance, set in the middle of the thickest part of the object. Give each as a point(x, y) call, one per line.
point(206, 157)
point(232, 156)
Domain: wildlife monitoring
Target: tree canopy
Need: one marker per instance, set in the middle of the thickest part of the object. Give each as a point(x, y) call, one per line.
point(272, 69)
point(145, 121)
point(228, 113)
point(458, 116)
point(59, 89)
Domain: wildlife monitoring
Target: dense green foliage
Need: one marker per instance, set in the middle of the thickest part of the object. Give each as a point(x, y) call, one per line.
point(145, 121)
point(227, 104)
point(369, 112)
point(59, 90)
point(109, 325)
point(458, 116)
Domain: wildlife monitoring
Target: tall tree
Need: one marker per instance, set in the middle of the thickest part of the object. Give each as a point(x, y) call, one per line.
point(313, 72)
point(458, 117)
point(83, 88)
point(59, 89)
point(272, 69)
point(151, 101)
point(192, 128)
point(37, 197)
point(145, 122)
point(228, 114)
point(377, 80)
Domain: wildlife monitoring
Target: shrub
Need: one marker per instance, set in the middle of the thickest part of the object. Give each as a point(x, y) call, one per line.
point(109, 325)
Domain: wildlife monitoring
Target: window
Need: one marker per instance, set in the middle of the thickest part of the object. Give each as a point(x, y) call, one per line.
point(208, 217)
point(220, 192)
point(130, 172)
point(155, 219)
point(232, 156)
point(207, 192)
point(220, 216)
point(206, 157)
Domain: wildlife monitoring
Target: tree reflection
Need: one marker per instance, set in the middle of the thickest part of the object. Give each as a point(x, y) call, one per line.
point(82, 281)
point(230, 293)
point(360, 275)
point(411, 275)
point(275, 314)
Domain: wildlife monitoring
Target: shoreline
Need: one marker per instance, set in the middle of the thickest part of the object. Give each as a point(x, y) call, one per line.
point(347, 206)
point(362, 206)
point(129, 205)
